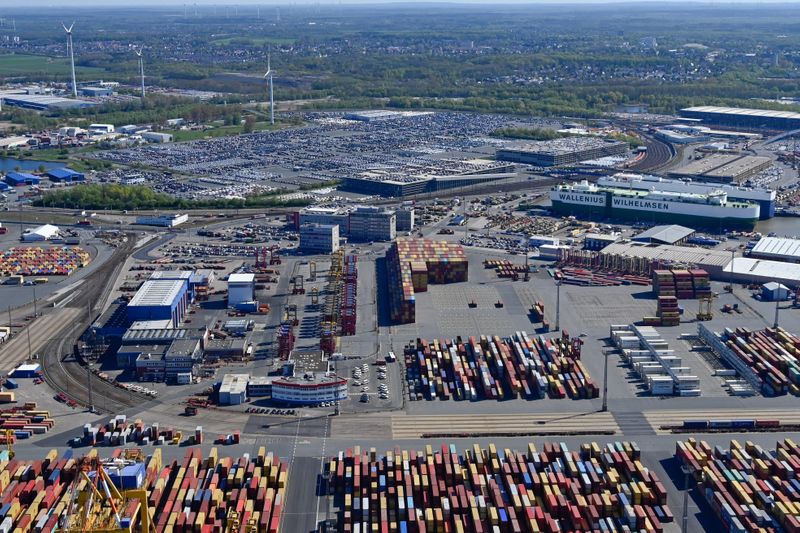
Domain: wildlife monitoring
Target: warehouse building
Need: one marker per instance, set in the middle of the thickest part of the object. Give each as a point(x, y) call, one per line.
point(777, 248)
point(180, 357)
point(672, 234)
point(233, 390)
point(319, 238)
point(145, 358)
point(230, 348)
point(774, 292)
point(166, 221)
point(326, 216)
point(742, 117)
point(241, 288)
point(723, 168)
point(45, 232)
point(750, 270)
point(156, 137)
point(18, 179)
point(65, 175)
point(564, 151)
point(399, 186)
point(369, 224)
point(39, 102)
point(96, 91)
point(160, 300)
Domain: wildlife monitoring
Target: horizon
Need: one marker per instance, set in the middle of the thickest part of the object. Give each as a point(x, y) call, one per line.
point(397, 3)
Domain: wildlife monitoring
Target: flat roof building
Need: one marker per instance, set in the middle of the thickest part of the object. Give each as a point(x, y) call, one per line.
point(744, 117)
point(598, 241)
point(241, 288)
point(17, 179)
point(723, 168)
point(405, 218)
point(373, 224)
point(159, 300)
point(319, 238)
point(167, 221)
point(233, 390)
point(565, 151)
point(44, 102)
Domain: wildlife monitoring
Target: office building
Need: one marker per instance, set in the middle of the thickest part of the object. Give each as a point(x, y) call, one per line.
point(369, 224)
point(319, 238)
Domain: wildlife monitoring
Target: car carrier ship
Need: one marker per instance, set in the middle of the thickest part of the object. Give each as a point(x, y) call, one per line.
point(765, 198)
point(711, 210)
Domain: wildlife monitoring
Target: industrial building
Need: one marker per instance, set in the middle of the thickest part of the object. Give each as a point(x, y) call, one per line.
point(405, 218)
point(369, 224)
point(321, 215)
point(565, 151)
point(777, 248)
point(156, 137)
point(598, 241)
point(394, 186)
point(241, 288)
point(65, 175)
point(18, 179)
point(721, 265)
point(233, 390)
point(742, 117)
point(672, 234)
point(45, 103)
point(44, 232)
point(101, 128)
point(319, 238)
point(723, 168)
point(159, 300)
point(373, 115)
point(166, 221)
point(96, 91)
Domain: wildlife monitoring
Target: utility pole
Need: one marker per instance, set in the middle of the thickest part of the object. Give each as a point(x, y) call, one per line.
point(35, 311)
point(9, 320)
point(28, 332)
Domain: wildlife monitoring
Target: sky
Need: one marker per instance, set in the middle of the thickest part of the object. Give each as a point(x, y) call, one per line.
point(109, 3)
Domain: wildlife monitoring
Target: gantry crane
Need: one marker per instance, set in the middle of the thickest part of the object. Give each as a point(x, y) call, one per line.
point(312, 271)
point(96, 503)
point(9, 434)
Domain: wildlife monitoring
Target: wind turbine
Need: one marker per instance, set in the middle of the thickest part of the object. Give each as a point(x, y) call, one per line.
point(141, 65)
point(268, 77)
point(71, 57)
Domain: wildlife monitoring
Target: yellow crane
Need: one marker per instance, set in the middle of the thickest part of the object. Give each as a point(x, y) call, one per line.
point(10, 443)
point(96, 504)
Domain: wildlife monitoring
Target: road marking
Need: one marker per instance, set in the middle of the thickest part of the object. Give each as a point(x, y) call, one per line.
point(404, 426)
point(321, 470)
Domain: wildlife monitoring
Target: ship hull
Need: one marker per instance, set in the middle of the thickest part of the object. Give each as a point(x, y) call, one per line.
point(608, 211)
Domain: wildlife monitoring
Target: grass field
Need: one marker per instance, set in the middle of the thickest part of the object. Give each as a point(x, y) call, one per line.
point(23, 65)
point(221, 131)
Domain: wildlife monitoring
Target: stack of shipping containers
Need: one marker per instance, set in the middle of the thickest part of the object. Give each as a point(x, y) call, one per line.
point(772, 354)
point(748, 488)
point(444, 263)
point(348, 316)
point(484, 490)
point(193, 494)
point(515, 367)
point(37, 261)
point(286, 339)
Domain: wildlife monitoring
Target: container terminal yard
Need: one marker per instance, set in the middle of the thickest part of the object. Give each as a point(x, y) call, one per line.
point(447, 360)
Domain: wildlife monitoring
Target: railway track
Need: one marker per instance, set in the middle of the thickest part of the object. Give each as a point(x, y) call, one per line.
point(658, 154)
point(65, 374)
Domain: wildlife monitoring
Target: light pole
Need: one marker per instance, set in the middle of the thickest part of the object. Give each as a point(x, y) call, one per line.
point(777, 306)
point(685, 522)
point(35, 311)
point(733, 258)
point(558, 304)
point(605, 381)
point(89, 382)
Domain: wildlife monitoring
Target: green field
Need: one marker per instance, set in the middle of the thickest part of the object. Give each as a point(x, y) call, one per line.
point(221, 131)
point(23, 65)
